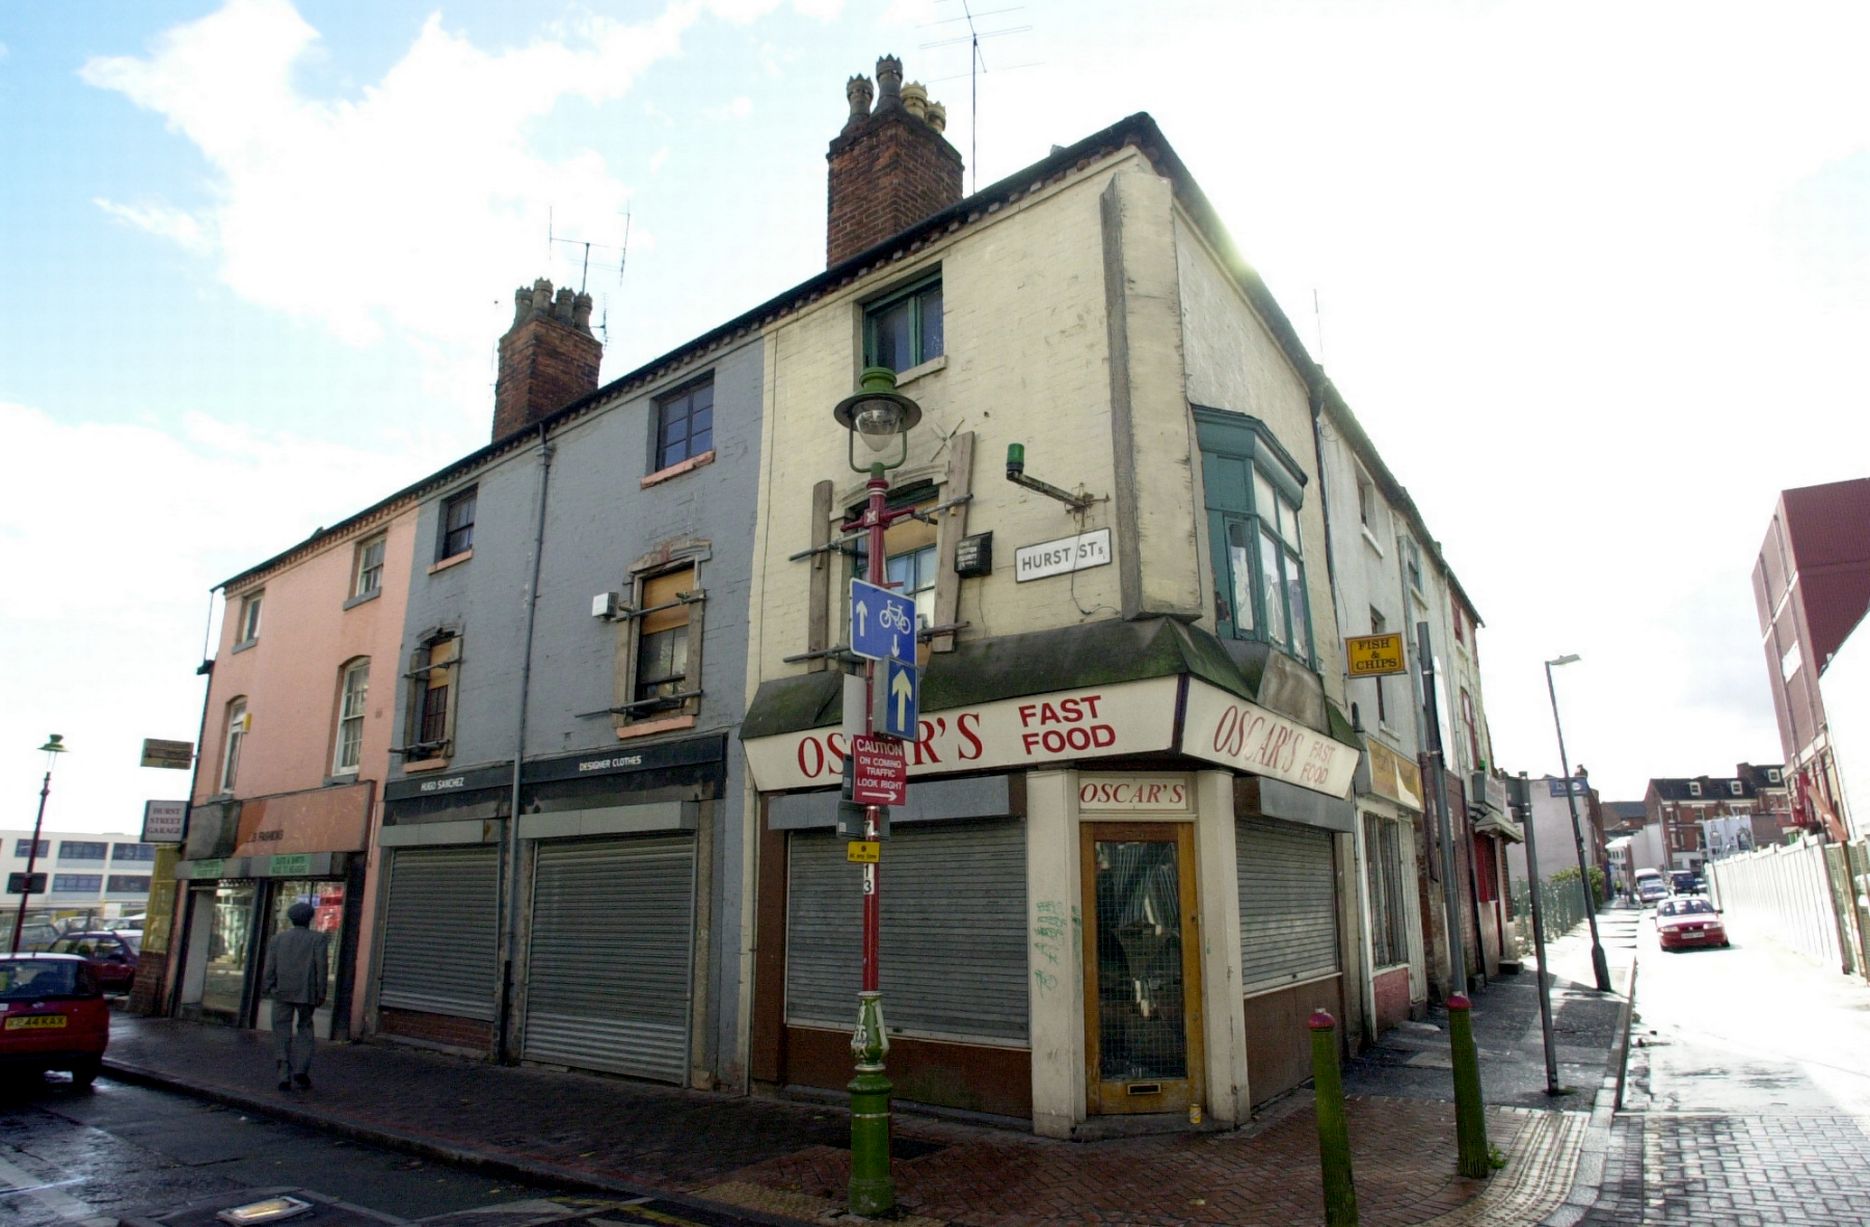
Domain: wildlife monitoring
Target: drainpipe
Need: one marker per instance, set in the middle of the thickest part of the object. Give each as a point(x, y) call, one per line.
point(509, 882)
point(182, 907)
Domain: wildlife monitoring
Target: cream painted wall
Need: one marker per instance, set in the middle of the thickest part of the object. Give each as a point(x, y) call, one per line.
point(1234, 363)
point(1056, 996)
point(1026, 340)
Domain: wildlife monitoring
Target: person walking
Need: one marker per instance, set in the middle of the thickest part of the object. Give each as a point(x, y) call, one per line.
point(296, 965)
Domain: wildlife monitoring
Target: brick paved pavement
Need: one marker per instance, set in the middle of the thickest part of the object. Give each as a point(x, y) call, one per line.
point(789, 1161)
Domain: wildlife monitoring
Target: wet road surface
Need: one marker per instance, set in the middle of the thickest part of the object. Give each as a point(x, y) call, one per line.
point(123, 1152)
point(1748, 1095)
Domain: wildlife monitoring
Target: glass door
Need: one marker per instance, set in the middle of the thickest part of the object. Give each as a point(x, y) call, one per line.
point(230, 926)
point(1143, 1040)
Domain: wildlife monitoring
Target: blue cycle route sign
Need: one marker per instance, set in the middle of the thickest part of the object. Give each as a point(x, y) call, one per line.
point(883, 624)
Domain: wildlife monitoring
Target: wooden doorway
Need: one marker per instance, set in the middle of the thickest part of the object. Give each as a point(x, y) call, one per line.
point(1142, 960)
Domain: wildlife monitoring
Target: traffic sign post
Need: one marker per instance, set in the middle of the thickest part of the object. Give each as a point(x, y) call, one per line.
point(896, 691)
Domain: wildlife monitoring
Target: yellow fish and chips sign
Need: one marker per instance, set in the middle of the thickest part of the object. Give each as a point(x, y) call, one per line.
point(1375, 655)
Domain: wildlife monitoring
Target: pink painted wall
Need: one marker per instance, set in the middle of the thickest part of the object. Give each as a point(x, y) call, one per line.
point(290, 678)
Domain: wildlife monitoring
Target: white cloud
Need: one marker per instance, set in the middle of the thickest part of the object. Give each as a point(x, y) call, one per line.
point(329, 209)
point(734, 108)
point(658, 160)
point(115, 534)
point(180, 227)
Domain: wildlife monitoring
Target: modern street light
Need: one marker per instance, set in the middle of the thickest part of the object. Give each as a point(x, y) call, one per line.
point(1599, 966)
point(53, 747)
point(876, 413)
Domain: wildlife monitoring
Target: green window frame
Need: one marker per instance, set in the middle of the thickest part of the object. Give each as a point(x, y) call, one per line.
point(1253, 490)
point(903, 329)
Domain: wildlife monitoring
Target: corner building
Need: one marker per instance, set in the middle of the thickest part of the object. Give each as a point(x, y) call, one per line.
point(1124, 875)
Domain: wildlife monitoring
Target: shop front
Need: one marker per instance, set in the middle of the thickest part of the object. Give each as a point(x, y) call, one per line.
point(1046, 888)
point(1389, 801)
point(245, 864)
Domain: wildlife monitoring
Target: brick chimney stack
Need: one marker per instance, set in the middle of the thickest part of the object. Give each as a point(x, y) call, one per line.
point(890, 167)
point(548, 358)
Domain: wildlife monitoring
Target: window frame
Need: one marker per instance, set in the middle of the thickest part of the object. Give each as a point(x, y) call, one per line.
point(366, 579)
point(1383, 877)
point(144, 854)
point(654, 583)
point(144, 878)
point(248, 628)
point(345, 717)
point(662, 460)
point(83, 853)
point(422, 707)
point(237, 723)
point(450, 541)
point(1272, 554)
point(23, 847)
point(62, 883)
point(1694, 788)
point(915, 294)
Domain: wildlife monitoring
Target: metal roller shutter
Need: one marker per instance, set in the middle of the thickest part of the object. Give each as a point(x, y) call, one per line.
point(1288, 904)
point(609, 966)
point(440, 934)
point(953, 934)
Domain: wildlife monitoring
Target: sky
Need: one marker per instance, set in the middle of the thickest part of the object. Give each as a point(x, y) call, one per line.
point(1594, 276)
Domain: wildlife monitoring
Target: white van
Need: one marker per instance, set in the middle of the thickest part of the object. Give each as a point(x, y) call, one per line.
point(1649, 885)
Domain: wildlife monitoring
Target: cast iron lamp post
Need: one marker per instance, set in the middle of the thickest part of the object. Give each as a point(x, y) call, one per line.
point(53, 747)
point(876, 413)
point(1599, 967)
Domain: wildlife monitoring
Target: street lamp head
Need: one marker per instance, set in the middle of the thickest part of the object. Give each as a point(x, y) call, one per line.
point(1567, 659)
point(54, 744)
point(877, 413)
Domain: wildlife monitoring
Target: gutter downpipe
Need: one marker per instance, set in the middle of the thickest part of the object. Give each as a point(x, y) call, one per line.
point(509, 879)
point(1367, 998)
point(181, 908)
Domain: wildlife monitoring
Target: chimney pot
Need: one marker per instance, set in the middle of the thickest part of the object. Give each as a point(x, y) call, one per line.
point(548, 358)
point(890, 167)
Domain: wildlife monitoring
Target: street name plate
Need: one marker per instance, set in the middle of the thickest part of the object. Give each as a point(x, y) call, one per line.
point(1064, 555)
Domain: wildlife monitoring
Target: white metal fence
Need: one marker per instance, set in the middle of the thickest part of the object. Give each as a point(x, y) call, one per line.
point(1788, 892)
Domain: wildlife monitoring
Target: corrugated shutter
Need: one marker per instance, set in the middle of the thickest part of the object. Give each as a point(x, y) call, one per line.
point(953, 940)
point(1288, 904)
point(608, 970)
point(440, 936)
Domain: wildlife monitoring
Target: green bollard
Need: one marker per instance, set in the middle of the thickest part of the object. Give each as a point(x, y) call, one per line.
point(872, 1188)
point(1474, 1157)
point(1334, 1138)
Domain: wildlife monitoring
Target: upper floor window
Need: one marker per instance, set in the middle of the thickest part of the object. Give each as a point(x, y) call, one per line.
point(128, 884)
point(132, 852)
point(904, 329)
point(367, 570)
point(1460, 631)
point(909, 551)
point(661, 672)
point(1412, 565)
point(237, 724)
point(1694, 788)
point(457, 526)
point(1369, 508)
point(1472, 727)
point(1772, 775)
point(432, 696)
point(685, 424)
point(353, 686)
point(81, 850)
point(86, 883)
point(1253, 491)
point(1733, 788)
point(249, 617)
point(23, 847)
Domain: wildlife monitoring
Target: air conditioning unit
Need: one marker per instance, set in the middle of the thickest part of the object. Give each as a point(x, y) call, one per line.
point(607, 605)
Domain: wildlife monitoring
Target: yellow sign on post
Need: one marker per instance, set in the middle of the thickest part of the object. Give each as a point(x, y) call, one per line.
point(1375, 655)
point(863, 852)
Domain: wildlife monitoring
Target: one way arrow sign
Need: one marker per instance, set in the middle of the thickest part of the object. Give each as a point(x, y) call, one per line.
point(894, 700)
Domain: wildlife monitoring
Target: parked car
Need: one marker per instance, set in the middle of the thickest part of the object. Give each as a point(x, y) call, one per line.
point(1687, 921)
point(1684, 882)
point(112, 955)
point(1650, 890)
point(52, 1016)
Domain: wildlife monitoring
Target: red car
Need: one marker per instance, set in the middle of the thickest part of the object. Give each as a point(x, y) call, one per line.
point(52, 1016)
point(112, 956)
point(1686, 921)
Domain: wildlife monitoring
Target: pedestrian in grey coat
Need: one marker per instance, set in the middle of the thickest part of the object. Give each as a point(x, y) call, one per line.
point(296, 965)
